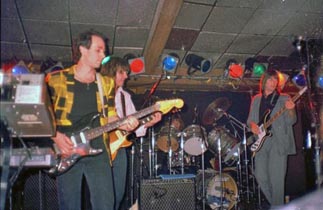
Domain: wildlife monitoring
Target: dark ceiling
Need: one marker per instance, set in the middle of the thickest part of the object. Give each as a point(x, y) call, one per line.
point(34, 30)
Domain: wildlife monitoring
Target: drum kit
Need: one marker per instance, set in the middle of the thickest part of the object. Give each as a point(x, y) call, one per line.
point(215, 187)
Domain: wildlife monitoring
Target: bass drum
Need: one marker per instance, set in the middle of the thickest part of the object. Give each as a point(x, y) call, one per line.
point(168, 132)
point(229, 144)
point(195, 136)
point(214, 192)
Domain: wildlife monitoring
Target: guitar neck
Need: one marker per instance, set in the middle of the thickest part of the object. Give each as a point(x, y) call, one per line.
point(141, 122)
point(95, 132)
point(273, 118)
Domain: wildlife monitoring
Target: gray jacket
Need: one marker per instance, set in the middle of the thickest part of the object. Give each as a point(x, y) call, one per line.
point(282, 127)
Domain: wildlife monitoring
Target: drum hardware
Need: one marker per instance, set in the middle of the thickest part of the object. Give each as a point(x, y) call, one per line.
point(132, 173)
point(152, 159)
point(242, 147)
point(181, 152)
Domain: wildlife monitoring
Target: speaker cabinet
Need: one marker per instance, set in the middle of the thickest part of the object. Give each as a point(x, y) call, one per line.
point(157, 194)
point(40, 192)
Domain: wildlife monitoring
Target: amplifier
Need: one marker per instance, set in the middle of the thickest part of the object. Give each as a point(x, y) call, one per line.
point(157, 194)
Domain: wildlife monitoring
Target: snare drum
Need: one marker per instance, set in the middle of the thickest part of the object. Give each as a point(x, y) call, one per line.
point(168, 133)
point(195, 136)
point(229, 144)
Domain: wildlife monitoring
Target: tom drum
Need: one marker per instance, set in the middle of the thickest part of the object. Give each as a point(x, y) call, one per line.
point(195, 140)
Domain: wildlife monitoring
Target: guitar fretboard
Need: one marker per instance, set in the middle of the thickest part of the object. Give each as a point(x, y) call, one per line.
point(273, 118)
point(95, 132)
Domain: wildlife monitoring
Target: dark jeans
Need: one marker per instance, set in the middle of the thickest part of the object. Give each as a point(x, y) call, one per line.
point(120, 175)
point(97, 172)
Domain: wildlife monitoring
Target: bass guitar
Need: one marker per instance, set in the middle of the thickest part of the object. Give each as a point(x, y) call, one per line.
point(265, 123)
point(81, 139)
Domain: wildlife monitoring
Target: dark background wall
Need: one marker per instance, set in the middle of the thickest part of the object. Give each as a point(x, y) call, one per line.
point(300, 176)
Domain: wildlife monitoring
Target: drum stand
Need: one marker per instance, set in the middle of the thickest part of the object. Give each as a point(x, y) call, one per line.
point(181, 152)
point(221, 180)
point(169, 145)
point(152, 159)
point(244, 143)
point(132, 172)
point(220, 172)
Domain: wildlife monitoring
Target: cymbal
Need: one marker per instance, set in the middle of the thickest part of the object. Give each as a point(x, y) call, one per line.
point(215, 110)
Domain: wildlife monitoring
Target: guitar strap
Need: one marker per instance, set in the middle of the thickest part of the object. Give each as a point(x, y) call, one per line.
point(107, 140)
point(99, 81)
point(123, 104)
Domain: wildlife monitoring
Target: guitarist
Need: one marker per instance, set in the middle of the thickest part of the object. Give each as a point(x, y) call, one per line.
point(271, 159)
point(75, 94)
point(118, 69)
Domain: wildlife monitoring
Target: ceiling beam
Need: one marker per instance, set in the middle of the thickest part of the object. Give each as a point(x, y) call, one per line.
point(165, 17)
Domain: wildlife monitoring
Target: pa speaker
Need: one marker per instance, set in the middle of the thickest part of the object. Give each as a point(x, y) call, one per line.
point(157, 194)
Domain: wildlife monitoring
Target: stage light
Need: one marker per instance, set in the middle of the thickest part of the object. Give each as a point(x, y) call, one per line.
point(170, 62)
point(319, 78)
point(319, 82)
point(20, 68)
point(137, 65)
point(299, 80)
point(233, 69)
point(248, 66)
point(8, 65)
point(196, 62)
point(282, 78)
point(259, 69)
point(105, 60)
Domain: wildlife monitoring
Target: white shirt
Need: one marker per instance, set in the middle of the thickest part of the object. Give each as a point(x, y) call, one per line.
point(129, 107)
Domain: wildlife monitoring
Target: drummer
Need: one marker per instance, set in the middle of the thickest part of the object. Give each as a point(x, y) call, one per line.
point(177, 123)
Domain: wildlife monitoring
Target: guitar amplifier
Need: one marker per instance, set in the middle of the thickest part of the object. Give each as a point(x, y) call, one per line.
point(157, 194)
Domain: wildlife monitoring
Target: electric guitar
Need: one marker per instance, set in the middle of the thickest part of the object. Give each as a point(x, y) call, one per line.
point(81, 139)
point(265, 123)
point(118, 138)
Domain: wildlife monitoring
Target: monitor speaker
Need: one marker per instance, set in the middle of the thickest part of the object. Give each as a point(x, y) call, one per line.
point(157, 194)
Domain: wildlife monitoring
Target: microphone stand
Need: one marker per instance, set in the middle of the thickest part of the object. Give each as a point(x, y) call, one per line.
point(169, 144)
point(152, 161)
point(152, 91)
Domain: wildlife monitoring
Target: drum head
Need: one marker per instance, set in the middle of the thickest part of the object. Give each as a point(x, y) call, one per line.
point(195, 142)
point(168, 135)
point(217, 188)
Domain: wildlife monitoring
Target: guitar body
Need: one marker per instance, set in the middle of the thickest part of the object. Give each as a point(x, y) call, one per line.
point(118, 139)
point(264, 133)
point(82, 145)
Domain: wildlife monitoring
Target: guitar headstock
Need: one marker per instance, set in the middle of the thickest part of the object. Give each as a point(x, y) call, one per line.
point(167, 105)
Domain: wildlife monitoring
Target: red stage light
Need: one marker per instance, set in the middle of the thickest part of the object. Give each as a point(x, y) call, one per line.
point(137, 65)
point(235, 71)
